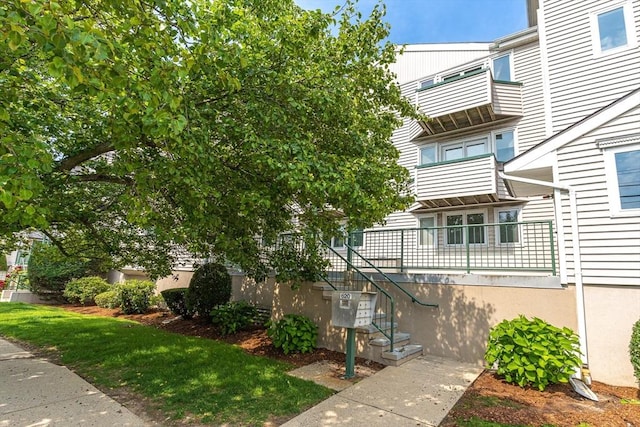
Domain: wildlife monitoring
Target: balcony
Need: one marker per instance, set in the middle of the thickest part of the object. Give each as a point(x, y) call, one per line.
point(471, 100)
point(469, 181)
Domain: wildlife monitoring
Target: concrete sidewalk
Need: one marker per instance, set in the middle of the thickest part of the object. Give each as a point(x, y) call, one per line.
point(34, 392)
point(419, 393)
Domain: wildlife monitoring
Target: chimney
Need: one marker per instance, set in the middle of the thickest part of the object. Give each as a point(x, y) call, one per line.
point(532, 15)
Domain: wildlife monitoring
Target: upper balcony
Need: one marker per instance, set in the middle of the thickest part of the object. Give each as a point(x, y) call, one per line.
point(468, 181)
point(465, 101)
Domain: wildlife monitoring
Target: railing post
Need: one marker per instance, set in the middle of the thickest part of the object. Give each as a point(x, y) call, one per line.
point(467, 248)
point(401, 251)
point(553, 249)
point(349, 253)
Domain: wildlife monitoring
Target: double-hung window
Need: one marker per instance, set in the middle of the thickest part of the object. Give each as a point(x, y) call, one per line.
point(463, 227)
point(508, 230)
point(612, 29)
point(622, 165)
point(427, 235)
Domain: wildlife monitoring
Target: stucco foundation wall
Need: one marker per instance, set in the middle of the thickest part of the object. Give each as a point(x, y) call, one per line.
point(178, 279)
point(611, 312)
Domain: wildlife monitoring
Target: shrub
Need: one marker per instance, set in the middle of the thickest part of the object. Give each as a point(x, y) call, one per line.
point(634, 350)
point(134, 295)
point(233, 316)
point(293, 333)
point(157, 300)
point(85, 289)
point(176, 300)
point(533, 352)
point(108, 299)
point(210, 286)
point(49, 270)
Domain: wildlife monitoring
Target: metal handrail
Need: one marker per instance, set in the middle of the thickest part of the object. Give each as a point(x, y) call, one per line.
point(390, 334)
point(414, 298)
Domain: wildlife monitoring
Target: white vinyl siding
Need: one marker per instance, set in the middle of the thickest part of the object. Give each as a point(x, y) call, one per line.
point(580, 83)
point(610, 245)
point(471, 177)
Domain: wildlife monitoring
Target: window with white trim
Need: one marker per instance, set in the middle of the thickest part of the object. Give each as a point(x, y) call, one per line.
point(357, 239)
point(501, 142)
point(428, 234)
point(456, 232)
point(622, 165)
point(612, 28)
point(501, 66)
point(463, 149)
point(504, 142)
point(508, 231)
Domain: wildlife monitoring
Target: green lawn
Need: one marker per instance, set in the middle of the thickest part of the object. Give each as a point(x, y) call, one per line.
point(211, 381)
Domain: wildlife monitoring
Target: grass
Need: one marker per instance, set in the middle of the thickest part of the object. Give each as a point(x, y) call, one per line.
point(210, 381)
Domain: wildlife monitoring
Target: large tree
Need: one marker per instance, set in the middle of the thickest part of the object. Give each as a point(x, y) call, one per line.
point(128, 128)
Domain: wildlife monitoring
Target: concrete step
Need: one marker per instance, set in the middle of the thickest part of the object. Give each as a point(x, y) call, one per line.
point(398, 338)
point(402, 354)
point(370, 329)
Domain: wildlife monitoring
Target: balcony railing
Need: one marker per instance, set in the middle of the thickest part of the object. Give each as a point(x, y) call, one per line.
point(505, 247)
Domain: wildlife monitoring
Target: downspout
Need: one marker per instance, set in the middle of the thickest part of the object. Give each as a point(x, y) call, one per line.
point(577, 259)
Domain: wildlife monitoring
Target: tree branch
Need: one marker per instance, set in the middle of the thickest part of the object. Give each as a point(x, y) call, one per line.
point(99, 177)
point(69, 163)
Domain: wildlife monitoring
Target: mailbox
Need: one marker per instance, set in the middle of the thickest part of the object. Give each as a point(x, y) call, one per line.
point(352, 309)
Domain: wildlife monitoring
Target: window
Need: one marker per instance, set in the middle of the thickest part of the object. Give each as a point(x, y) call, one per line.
point(464, 149)
point(357, 238)
point(504, 146)
point(337, 242)
point(454, 76)
point(428, 154)
point(427, 235)
point(509, 232)
point(612, 29)
point(502, 68)
point(623, 178)
point(475, 231)
point(426, 83)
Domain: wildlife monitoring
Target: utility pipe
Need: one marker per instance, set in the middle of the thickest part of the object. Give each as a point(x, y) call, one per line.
point(577, 259)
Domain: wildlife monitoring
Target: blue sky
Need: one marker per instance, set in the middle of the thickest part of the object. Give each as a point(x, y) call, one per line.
point(439, 21)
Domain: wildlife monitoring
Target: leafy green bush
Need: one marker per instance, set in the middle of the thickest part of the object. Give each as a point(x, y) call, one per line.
point(533, 352)
point(634, 350)
point(234, 316)
point(293, 333)
point(108, 299)
point(49, 270)
point(3, 262)
point(134, 295)
point(176, 300)
point(85, 289)
point(210, 286)
point(157, 300)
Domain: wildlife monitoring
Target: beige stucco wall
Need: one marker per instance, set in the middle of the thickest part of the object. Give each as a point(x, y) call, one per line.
point(178, 279)
point(611, 312)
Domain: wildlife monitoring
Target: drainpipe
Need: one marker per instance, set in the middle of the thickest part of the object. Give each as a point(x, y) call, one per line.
point(577, 264)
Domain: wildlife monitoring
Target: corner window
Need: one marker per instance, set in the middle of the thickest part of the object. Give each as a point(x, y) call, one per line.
point(612, 29)
point(508, 230)
point(502, 68)
point(463, 227)
point(623, 179)
point(504, 146)
point(428, 154)
point(427, 235)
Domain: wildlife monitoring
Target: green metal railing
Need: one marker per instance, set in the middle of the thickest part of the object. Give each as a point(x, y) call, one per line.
point(518, 246)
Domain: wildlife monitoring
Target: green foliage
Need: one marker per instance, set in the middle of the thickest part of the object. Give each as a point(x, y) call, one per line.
point(192, 380)
point(85, 289)
point(293, 333)
point(233, 316)
point(634, 350)
point(3, 262)
point(134, 295)
point(292, 117)
point(49, 270)
point(157, 300)
point(108, 299)
point(210, 286)
point(533, 352)
point(298, 259)
point(176, 300)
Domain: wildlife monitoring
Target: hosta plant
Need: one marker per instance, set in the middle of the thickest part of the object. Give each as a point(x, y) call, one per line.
point(293, 333)
point(532, 352)
point(634, 349)
point(233, 316)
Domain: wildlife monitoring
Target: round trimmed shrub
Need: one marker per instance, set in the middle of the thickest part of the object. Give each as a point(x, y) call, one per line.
point(107, 299)
point(134, 296)
point(634, 350)
point(176, 300)
point(85, 289)
point(293, 334)
point(533, 352)
point(210, 286)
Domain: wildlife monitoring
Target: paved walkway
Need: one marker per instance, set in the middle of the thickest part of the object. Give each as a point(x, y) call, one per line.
point(37, 393)
point(34, 392)
point(419, 393)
